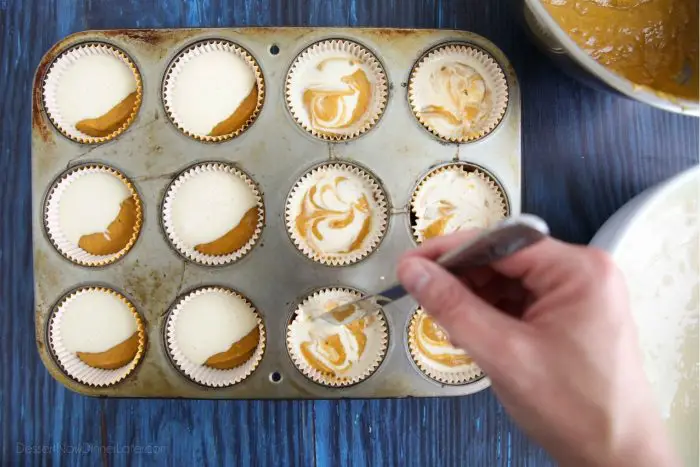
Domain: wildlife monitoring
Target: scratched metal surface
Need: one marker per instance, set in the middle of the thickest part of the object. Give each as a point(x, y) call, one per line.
point(585, 153)
point(275, 152)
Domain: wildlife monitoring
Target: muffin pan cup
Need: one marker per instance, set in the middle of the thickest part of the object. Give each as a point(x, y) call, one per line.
point(275, 152)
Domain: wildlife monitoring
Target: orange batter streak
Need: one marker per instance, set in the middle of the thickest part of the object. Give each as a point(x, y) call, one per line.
point(652, 43)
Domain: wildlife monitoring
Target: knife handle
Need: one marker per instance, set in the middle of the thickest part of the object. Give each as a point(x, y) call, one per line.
point(507, 238)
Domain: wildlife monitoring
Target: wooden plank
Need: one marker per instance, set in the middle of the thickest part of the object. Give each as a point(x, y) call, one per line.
point(585, 153)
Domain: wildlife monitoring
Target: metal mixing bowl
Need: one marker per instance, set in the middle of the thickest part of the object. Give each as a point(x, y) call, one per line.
point(558, 45)
point(641, 244)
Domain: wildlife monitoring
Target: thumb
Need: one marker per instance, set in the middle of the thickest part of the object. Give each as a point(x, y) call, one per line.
point(471, 323)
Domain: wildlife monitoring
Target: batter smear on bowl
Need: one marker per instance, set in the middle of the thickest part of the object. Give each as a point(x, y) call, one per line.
point(652, 43)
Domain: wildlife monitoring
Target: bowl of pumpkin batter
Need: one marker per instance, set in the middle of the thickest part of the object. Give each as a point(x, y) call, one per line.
point(644, 49)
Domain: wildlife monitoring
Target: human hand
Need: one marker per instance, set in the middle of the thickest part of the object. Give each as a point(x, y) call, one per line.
point(552, 329)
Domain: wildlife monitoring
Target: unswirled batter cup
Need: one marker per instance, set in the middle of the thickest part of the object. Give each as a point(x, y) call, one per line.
point(92, 92)
point(213, 90)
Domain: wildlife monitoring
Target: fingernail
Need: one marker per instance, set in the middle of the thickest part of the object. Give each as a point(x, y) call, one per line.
point(414, 275)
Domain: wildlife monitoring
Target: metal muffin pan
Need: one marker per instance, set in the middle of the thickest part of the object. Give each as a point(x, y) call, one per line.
point(275, 152)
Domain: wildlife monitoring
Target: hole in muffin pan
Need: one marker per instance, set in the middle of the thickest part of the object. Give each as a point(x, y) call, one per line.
point(275, 377)
point(411, 218)
point(274, 49)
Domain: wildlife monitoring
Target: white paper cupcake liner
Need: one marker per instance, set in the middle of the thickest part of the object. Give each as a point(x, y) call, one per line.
point(372, 357)
point(294, 86)
point(188, 251)
point(491, 73)
point(52, 224)
point(203, 374)
point(182, 60)
point(52, 81)
point(380, 218)
point(469, 375)
point(76, 368)
point(501, 207)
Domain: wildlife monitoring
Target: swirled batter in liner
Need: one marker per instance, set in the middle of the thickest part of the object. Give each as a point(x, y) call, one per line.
point(434, 348)
point(337, 95)
point(336, 352)
point(653, 43)
point(335, 214)
point(455, 199)
point(457, 100)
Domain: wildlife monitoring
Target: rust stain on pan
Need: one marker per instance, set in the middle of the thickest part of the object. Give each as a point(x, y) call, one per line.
point(392, 33)
point(148, 36)
point(38, 122)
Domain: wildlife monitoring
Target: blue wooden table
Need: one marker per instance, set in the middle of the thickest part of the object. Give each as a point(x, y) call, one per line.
point(585, 153)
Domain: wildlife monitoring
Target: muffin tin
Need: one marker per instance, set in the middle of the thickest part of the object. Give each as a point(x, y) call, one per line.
point(275, 152)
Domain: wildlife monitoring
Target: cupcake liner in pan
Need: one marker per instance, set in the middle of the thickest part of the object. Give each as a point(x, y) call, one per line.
point(500, 210)
point(275, 156)
point(369, 361)
point(100, 91)
point(212, 85)
point(69, 362)
point(312, 60)
point(378, 210)
point(189, 251)
point(203, 374)
point(464, 374)
point(52, 218)
point(462, 55)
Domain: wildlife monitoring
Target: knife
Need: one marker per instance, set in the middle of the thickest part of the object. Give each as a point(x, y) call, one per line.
point(506, 238)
